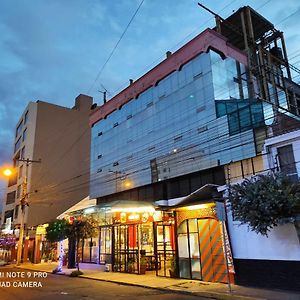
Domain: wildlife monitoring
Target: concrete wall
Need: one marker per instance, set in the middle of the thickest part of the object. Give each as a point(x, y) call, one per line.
point(281, 244)
point(62, 142)
point(28, 143)
point(60, 137)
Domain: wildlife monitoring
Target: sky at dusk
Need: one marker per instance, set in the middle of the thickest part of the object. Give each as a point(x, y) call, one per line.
point(53, 50)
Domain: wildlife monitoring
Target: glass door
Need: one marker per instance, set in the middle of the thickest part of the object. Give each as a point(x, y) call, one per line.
point(126, 248)
point(165, 249)
point(105, 255)
point(90, 250)
point(200, 250)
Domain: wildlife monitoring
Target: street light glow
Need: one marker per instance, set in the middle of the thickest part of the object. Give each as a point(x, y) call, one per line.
point(7, 172)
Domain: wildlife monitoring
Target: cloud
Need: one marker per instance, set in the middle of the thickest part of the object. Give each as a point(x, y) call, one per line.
point(53, 50)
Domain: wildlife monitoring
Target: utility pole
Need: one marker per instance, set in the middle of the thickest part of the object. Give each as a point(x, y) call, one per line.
point(23, 204)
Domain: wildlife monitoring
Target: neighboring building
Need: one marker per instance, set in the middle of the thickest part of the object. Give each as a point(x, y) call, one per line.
point(275, 258)
point(198, 119)
point(60, 137)
point(282, 153)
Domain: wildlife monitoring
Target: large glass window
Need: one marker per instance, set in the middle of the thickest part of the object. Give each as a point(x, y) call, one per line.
point(151, 126)
point(229, 78)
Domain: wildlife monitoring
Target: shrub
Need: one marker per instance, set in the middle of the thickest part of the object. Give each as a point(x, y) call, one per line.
point(76, 273)
point(265, 201)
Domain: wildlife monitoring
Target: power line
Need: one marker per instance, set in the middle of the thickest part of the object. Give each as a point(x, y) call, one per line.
point(284, 19)
point(174, 46)
point(142, 164)
point(171, 138)
point(115, 47)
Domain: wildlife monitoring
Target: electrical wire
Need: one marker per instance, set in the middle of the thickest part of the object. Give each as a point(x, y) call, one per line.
point(115, 47)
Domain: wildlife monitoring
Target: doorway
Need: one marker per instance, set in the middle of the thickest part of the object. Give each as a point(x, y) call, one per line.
point(105, 249)
point(165, 248)
point(90, 250)
point(125, 248)
point(200, 250)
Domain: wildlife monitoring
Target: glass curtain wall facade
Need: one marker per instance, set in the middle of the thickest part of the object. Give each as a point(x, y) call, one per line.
point(177, 127)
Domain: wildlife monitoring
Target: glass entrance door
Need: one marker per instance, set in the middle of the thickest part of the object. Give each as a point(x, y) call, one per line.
point(90, 250)
point(188, 250)
point(126, 248)
point(165, 249)
point(105, 255)
point(200, 250)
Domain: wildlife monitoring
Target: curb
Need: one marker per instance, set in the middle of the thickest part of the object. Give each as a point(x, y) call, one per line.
point(211, 295)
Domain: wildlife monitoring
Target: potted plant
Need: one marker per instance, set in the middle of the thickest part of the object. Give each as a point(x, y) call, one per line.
point(131, 265)
point(173, 266)
point(143, 265)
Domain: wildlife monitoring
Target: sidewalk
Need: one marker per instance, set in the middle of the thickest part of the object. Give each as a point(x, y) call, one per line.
point(150, 280)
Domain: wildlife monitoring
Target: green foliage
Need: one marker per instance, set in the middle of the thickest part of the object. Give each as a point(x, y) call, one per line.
point(265, 201)
point(76, 273)
point(172, 261)
point(82, 228)
point(144, 261)
point(57, 230)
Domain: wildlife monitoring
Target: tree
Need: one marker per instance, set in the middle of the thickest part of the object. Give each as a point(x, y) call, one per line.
point(56, 232)
point(82, 228)
point(265, 201)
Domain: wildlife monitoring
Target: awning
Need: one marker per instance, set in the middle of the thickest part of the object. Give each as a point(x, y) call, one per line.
point(83, 204)
point(127, 205)
point(205, 194)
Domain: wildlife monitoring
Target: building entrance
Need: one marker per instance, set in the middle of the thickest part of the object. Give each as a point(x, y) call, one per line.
point(165, 255)
point(105, 254)
point(90, 250)
point(200, 250)
point(125, 248)
point(133, 246)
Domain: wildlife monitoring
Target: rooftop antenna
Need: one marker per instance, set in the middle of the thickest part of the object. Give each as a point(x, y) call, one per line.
point(217, 17)
point(104, 92)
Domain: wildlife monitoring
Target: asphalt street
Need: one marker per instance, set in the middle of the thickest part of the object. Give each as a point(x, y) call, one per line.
point(19, 284)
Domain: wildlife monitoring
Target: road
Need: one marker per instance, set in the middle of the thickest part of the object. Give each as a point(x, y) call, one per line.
point(59, 287)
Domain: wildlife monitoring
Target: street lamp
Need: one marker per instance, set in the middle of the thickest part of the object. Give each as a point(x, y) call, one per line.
point(23, 202)
point(7, 172)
